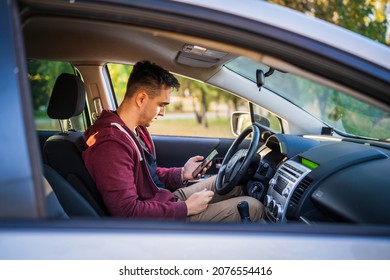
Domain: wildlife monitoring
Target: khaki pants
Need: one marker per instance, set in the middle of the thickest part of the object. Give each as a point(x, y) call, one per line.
point(222, 208)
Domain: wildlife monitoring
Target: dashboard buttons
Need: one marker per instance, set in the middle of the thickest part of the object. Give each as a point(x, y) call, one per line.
point(277, 211)
point(281, 188)
point(286, 192)
point(267, 200)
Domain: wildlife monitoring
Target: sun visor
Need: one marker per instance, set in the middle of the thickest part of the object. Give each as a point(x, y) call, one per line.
point(196, 56)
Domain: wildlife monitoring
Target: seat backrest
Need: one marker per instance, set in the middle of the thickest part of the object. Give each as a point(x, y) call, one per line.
point(71, 201)
point(62, 151)
point(54, 208)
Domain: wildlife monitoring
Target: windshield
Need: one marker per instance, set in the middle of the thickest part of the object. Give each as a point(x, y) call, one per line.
point(336, 109)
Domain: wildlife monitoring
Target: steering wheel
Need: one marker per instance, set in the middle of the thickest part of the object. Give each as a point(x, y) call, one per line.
point(236, 162)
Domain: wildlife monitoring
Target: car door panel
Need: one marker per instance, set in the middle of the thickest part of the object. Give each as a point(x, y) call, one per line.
point(175, 151)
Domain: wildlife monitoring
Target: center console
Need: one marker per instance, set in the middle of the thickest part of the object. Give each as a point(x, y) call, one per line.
point(281, 187)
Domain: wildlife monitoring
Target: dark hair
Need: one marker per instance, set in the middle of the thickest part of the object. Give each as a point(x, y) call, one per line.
point(151, 78)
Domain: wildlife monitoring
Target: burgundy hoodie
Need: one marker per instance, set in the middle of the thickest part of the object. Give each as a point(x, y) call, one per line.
point(115, 160)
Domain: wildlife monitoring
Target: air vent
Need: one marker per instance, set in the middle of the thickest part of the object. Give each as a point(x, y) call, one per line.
point(299, 191)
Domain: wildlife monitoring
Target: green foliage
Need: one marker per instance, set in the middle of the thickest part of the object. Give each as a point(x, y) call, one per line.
point(42, 76)
point(119, 74)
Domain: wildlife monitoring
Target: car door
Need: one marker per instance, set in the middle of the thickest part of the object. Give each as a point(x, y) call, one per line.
point(20, 187)
point(20, 181)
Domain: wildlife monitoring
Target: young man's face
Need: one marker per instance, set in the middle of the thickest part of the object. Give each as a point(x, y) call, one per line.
point(155, 107)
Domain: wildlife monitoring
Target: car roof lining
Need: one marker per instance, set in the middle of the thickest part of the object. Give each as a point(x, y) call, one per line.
point(80, 41)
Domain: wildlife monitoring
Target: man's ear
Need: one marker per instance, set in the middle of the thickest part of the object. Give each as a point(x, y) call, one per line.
point(141, 97)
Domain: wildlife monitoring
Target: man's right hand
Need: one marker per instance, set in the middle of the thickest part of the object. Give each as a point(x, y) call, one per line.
point(198, 202)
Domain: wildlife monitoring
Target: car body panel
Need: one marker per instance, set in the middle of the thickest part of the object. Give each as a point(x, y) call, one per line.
point(122, 240)
point(18, 174)
point(21, 191)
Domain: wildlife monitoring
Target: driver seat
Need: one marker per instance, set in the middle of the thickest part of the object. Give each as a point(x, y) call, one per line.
point(62, 151)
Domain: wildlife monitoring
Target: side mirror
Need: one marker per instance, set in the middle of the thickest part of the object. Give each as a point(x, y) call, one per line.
point(241, 120)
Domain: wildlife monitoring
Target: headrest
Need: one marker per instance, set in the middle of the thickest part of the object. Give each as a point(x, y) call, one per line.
point(68, 97)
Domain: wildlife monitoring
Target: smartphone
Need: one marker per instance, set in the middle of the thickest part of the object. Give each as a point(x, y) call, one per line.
point(204, 163)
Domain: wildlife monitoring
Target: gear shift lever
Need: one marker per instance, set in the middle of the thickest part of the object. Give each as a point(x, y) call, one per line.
point(243, 209)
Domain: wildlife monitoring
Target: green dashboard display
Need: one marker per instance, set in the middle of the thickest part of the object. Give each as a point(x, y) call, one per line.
point(309, 163)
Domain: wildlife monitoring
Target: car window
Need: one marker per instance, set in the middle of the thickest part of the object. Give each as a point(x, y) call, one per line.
point(42, 75)
point(197, 109)
point(335, 108)
point(266, 117)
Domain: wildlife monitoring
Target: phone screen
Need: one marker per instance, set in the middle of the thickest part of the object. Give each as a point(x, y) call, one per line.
point(204, 163)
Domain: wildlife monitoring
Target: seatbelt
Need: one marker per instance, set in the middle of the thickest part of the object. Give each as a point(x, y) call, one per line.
point(146, 140)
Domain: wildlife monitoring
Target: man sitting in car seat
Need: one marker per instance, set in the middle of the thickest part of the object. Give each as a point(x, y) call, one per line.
point(120, 157)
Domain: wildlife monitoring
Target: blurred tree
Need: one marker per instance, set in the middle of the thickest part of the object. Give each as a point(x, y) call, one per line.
point(203, 95)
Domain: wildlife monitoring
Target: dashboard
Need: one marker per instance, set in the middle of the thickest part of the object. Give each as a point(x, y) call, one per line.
point(313, 181)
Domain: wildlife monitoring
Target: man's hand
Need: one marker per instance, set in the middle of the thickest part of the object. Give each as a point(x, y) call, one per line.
point(191, 165)
point(198, 202)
